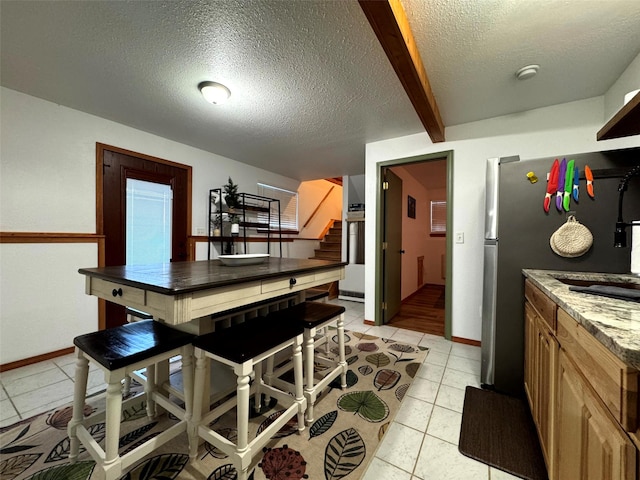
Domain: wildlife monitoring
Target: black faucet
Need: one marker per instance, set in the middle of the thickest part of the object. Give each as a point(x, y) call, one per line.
point(620, 235)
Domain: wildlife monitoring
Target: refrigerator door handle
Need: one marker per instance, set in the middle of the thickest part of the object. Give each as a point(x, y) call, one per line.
point(490, 279)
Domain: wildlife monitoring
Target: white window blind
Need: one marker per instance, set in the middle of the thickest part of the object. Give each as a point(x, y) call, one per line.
point(438, 217)
point(288, 206)
point(148, 222)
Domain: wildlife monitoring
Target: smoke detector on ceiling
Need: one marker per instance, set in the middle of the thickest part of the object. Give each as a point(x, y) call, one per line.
point(527, 72)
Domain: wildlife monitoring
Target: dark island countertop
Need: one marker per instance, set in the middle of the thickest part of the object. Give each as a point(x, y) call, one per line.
point(187, 277)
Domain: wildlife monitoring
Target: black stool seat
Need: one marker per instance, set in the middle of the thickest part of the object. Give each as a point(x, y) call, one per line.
point(313, 294)
point(249, 339)
point(308, 314)
point(125, 345)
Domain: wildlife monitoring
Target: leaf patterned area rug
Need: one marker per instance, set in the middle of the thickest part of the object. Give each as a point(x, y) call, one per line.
point(349, 424)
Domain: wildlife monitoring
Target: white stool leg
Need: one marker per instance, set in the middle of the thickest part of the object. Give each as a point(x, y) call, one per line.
point(149, 388)
point(309, 334)
point(126, 389)
point(298, 380)
point(242, 392)
point(268, 378)
point(343, 362)
point(79, 394)
point(198, 394)
point(257, 382)
point(112, 425)
point(187, 381)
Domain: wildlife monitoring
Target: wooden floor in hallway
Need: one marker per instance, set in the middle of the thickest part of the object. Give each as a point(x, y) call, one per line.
point(422, 311)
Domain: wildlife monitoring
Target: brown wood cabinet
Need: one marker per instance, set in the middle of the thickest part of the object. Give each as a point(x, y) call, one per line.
point(541, 353)
point(591, 445)
point(583, 399)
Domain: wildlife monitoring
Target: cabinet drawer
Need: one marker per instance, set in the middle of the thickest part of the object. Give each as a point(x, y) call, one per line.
point(116, 293)
point(614, 381)
point(290, 284)
point(544, 305)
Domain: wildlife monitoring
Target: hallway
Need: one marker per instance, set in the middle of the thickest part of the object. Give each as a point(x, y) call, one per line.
point(423, 311)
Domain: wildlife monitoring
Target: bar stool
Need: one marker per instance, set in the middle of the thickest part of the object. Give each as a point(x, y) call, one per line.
point(313, 316)
point(322, 334)
point(243, 347)
point(119, 352)
point(316, 294)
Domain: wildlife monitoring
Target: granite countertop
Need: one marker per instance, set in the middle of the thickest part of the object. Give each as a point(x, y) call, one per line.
point(615, 323)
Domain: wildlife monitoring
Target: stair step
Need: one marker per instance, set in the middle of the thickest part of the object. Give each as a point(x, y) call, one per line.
point(328, 255)
point(330, 238)
point(330, 246)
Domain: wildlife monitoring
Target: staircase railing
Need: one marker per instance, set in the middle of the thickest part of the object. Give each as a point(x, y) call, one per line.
point(318, 207)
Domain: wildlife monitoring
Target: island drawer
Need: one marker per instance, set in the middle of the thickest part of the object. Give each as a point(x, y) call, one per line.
point(291, 284)
point(615, 382)
point(115, 292)
point(546, 307)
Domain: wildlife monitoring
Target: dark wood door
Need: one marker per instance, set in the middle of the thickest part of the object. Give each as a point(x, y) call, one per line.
point(118, 166)
point(392, 248)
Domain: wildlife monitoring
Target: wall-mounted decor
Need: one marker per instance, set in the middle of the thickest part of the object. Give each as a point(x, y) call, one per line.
point(411, 207)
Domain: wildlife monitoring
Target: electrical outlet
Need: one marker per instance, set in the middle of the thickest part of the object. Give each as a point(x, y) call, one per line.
point(460, 237)
point(200, 231)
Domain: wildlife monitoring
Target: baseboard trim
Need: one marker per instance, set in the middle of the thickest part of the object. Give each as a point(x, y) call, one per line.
point(38, 358)
point(466, 341)
point(369, 322)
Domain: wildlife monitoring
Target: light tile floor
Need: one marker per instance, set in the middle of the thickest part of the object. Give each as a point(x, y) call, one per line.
point(420, 444)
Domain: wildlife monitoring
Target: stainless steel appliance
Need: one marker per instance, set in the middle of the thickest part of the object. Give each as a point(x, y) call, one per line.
point(517, 233)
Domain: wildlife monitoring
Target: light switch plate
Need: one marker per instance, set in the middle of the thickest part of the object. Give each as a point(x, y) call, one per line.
point(200, 231)
point(460, 237)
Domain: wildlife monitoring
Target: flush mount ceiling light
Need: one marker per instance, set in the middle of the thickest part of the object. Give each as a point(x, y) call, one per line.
point(214, 92)
point(527, 72)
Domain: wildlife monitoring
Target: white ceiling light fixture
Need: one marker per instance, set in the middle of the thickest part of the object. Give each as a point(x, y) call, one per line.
point(527, 72)
point(214, 92)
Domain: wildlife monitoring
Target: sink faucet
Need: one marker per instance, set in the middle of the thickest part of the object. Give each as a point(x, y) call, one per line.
point(620, 234)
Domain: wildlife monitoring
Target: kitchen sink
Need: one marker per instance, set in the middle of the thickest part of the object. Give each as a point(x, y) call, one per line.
point(588, 283)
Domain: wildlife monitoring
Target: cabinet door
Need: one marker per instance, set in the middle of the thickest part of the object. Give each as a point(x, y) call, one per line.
point(590, 444)
point(530, 338)
point(547, 355)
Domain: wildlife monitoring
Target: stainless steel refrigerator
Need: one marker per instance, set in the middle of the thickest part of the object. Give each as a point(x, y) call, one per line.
point(517, 233)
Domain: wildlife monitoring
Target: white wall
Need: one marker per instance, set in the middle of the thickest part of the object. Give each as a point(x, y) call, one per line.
point(47, 184)
point(628, 81)
point(567, 128)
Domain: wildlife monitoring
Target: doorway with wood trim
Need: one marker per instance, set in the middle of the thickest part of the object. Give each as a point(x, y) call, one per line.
point(426, 293)
point(117, 169)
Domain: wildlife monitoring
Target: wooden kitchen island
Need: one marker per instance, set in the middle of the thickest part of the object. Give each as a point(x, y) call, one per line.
point(183, 294)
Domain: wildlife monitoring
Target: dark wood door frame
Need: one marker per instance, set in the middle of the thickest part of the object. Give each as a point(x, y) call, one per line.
point(100, 216)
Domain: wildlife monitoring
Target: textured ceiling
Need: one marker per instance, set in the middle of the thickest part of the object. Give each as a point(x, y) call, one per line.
point(310, 83)
point(471, 50)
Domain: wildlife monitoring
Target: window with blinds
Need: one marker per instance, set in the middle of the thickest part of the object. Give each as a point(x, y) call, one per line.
point(288, 206)
point(438, 217)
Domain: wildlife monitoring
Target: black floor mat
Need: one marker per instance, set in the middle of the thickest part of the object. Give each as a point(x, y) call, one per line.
point(498, 430)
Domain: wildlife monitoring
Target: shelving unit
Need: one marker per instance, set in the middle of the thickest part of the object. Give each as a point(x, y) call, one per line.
point(624, 123)
point(255, 213)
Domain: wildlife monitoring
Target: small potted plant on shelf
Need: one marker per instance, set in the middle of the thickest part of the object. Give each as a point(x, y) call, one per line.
point(216, 226)
point(235, 225)
point(231, 196)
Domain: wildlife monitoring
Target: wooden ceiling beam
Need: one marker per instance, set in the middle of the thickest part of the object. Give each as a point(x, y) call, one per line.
point(391, 26)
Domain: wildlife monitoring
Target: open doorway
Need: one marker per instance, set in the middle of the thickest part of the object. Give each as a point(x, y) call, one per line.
point(427, 186)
